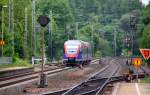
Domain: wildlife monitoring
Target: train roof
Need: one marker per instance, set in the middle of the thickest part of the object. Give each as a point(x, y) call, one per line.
point(76, 42)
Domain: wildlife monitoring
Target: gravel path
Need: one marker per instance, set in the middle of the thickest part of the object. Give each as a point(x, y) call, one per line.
point(66, 79)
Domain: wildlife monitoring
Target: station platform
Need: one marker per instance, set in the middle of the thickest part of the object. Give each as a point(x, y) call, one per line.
point(12, 68)
point(131, 89)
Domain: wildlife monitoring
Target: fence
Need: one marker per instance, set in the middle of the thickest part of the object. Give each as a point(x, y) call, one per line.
point(5, 60)
point(37, 60)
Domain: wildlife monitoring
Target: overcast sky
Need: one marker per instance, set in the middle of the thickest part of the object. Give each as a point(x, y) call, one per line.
point(145, 1)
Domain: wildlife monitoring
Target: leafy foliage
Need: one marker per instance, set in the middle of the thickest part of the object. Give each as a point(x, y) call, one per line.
point(145, 37)
point(145, 29)
point(106, 16)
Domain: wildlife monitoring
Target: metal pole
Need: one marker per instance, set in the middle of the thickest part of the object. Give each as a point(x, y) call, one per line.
point(132, 41)
point(68, 29)
point(26, 32)
point(9, 16)
point(51, 31)
point(42, 43)
point(42, 78)
point(2, 28)
point(92, 40)
point(77, 31)
point(49, 38)
point(137, 76)
point(33, 42)
point(115, 43)
point(131, 33)
point(12, 14)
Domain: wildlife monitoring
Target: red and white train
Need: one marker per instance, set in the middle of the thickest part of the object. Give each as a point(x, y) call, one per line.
point(76, 52)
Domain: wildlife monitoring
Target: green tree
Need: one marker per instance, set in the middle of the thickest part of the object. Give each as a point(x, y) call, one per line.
point(62, 16)
point(145, 40)
point(144, 27)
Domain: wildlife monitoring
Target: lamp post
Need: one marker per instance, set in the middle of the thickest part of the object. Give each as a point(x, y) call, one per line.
point(3, 27)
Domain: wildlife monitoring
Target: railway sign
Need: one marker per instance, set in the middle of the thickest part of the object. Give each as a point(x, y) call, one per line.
point(43, 20)
point(2, 42)
point(137, 62)
point(145, 53)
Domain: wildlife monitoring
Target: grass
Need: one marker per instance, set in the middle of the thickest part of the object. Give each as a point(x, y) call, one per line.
point(16, 63)
point(146, 80)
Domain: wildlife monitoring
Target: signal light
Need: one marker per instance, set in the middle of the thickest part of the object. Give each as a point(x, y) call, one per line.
point(2, 43)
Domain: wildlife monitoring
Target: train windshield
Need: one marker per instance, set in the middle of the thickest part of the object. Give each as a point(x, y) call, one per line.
point(71, 49)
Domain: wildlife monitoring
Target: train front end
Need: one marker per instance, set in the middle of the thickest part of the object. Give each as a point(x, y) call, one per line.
point(71, 52)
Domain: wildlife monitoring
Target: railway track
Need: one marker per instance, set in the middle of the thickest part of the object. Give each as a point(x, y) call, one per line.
point(20, 75)
point(7, 81)
point(92, 86)
point(95, 84)
point(16, 73)
point(25, 77)
point(31, 73)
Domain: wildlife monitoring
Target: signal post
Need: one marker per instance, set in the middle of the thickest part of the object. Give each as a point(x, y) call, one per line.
point(43, 21)
point(137, 62)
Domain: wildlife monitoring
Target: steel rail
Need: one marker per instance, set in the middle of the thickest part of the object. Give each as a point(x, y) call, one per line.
point(100, 83)
point(102, 70)
point(21, 75)
point(28, 77)
point(107, 81)
point(100, 88)
point(112, 80)
point(86, 82)
point(29, 73)
point(57, 92)
point(33, 75)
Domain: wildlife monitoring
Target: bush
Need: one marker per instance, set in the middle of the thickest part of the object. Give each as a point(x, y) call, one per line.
point(20, 62)
point(146, 80)
point(17, 62)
